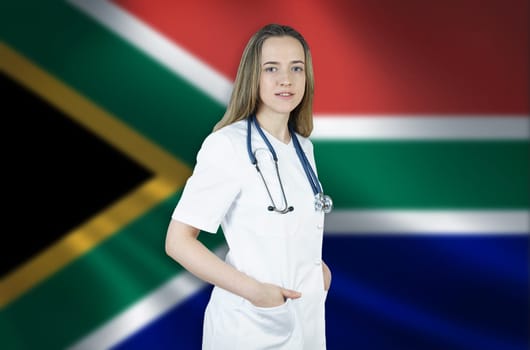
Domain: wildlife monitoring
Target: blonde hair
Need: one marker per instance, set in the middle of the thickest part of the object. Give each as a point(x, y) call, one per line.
point(245, 94)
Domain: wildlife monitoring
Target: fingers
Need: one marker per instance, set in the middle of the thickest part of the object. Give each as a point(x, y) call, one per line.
point(291, 294)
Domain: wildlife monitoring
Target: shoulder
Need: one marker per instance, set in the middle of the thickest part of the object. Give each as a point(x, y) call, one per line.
point(226, 141)
point(226, 135)
point(236, 132)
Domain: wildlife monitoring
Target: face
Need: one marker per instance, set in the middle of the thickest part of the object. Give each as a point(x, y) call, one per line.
point(282, 78)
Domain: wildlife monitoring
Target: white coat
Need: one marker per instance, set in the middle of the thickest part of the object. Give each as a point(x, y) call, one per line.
point(284, 249)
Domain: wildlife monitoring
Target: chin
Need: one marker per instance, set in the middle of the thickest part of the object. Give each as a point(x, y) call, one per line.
point(286, 110)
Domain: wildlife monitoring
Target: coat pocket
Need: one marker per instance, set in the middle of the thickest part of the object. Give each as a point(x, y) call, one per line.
point(262, 326)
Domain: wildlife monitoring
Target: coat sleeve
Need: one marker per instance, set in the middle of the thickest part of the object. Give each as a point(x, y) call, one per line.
point(212, 187)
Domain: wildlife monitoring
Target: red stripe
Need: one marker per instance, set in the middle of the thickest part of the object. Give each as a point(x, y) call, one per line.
point(414, 56)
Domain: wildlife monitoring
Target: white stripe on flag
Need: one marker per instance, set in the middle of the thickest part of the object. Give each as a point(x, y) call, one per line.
point(219, 87)
point(145, 311)
point(142, 313)
point(159, 47)
point(428, 127)
point(427, 222)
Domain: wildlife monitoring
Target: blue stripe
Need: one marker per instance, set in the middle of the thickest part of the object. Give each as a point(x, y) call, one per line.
point(401, 292)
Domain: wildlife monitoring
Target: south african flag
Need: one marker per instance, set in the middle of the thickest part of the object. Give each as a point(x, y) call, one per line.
point(421, 137)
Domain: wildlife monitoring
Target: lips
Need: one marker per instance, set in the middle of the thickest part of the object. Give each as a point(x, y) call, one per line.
point(284, 94)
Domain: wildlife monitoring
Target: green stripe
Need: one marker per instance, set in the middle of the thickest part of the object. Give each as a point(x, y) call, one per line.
point(112, 73)
point(425, 174)
point(96, 286)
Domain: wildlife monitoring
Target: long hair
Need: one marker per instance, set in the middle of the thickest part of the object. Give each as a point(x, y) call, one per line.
point(244, 100)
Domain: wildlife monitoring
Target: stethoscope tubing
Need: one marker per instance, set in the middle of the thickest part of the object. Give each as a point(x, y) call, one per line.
point(310, 173)
point(306, 165)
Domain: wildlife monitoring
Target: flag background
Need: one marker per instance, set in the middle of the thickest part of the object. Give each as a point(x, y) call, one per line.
point(108, 102)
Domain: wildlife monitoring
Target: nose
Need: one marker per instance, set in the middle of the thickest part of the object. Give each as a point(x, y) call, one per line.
point(284, 79)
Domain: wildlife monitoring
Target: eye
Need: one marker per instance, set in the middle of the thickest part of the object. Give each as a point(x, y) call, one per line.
point(271, 69)
point(298, 69)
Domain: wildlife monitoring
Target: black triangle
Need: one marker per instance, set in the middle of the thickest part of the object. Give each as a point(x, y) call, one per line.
point(56, 174)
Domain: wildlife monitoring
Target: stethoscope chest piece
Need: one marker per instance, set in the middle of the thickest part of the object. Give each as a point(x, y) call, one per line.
point(323, 203)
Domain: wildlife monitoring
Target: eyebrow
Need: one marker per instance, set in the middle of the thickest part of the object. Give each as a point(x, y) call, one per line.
point(292, 62)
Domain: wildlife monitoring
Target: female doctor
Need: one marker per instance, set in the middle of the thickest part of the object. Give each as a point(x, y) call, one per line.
point(255, 176)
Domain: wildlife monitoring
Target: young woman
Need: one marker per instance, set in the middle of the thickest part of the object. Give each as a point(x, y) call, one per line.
point(255, 176)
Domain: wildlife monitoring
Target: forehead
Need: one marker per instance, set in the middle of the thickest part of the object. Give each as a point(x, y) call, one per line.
point(284, 48)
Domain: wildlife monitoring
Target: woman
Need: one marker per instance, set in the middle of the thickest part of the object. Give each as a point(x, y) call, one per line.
point(269, 291)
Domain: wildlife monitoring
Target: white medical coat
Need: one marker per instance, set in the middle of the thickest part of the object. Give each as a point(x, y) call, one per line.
point(284, 249)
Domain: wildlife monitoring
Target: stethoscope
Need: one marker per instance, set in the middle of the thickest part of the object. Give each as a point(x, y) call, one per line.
point(322, 202)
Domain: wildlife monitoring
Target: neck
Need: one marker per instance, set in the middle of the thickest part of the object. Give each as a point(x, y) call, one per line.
point(276, 126)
